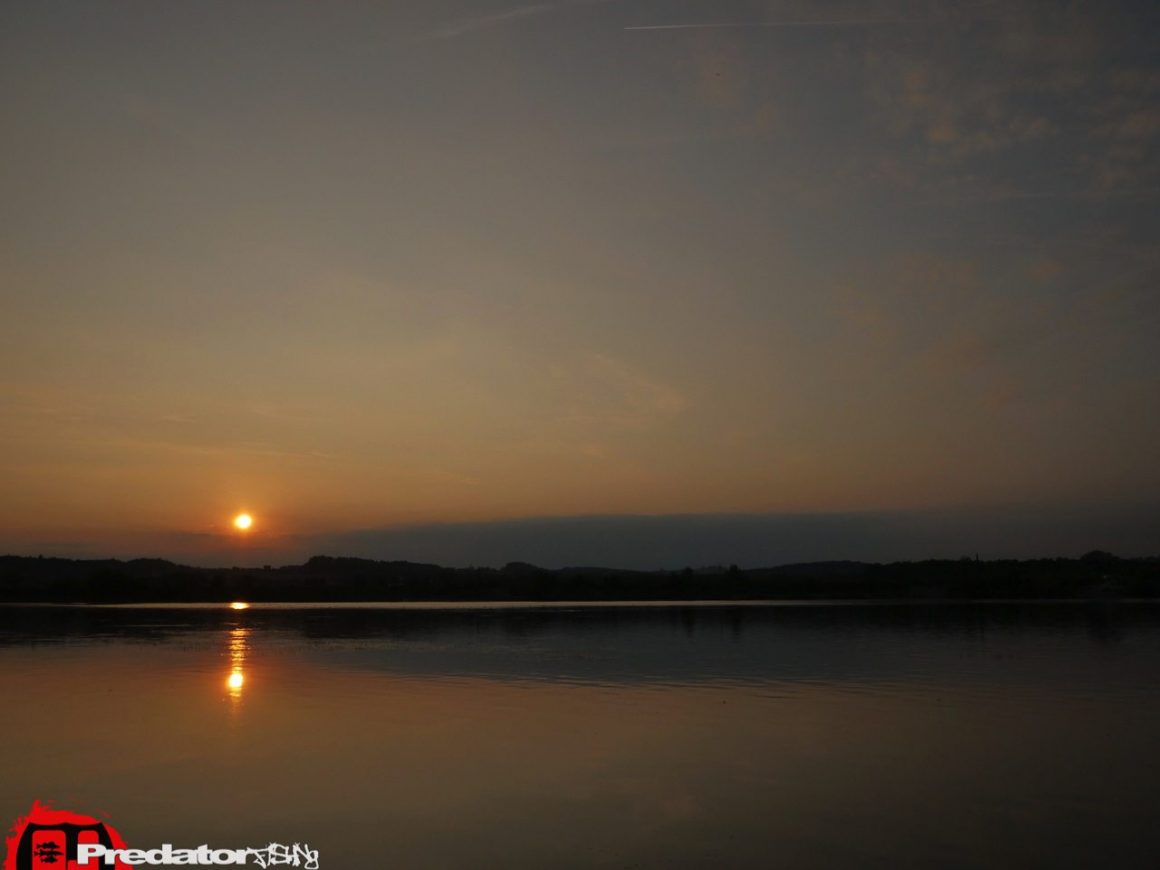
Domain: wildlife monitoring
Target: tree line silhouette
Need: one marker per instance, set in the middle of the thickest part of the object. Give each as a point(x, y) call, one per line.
point(326, 578)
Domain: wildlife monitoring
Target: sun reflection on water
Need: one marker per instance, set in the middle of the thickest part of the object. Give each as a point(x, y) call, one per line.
point(239, 648)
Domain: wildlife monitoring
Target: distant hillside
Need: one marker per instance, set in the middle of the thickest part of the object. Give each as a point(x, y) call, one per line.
point(328, 578)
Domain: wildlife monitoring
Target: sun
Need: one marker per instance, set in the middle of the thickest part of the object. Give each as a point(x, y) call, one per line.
point(242, 522)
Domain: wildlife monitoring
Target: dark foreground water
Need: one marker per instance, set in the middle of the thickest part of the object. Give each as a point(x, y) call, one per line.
point(829, 736)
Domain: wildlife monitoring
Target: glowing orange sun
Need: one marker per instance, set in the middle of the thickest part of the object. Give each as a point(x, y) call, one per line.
point(242, 522)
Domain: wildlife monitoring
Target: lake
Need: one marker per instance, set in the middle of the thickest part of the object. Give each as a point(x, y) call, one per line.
point(729, 735)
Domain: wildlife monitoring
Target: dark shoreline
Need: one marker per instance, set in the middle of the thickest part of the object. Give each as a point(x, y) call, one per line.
point(325, 579)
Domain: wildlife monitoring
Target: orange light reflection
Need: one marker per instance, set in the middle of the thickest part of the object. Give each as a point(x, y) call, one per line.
point(239, 648)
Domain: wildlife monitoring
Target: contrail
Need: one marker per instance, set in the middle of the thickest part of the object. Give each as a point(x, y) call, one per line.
point(971, 10)
point(820, 22)
point(479, 22)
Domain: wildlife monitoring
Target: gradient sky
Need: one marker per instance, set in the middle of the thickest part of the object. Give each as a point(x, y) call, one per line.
point(363, 266)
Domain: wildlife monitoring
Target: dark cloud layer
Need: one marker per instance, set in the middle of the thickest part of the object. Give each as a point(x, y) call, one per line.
point(752, 540)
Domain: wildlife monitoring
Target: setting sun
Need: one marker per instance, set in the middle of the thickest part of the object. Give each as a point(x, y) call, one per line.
point(243, 522)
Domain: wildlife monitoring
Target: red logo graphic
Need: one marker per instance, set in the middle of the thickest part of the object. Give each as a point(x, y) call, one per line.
point(47, 839)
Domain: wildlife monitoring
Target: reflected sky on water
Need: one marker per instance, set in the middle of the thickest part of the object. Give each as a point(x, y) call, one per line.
point(821, 736)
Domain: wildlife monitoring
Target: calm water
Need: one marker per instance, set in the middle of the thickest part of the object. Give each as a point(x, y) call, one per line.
point(835, 736)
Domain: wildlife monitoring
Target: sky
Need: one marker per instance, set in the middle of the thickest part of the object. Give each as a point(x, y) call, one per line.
point(466, 281)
